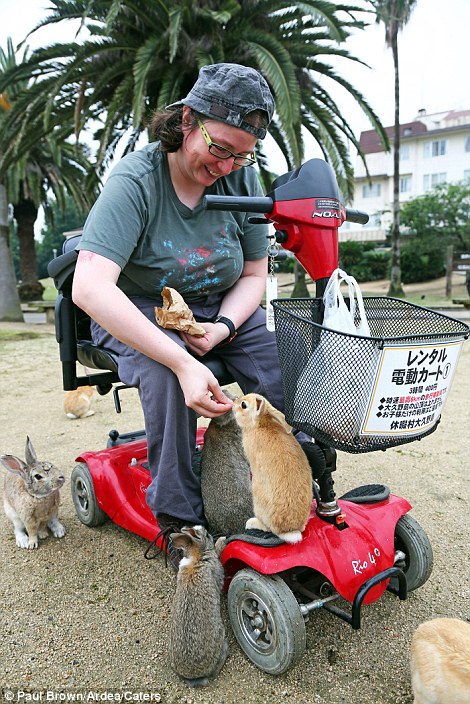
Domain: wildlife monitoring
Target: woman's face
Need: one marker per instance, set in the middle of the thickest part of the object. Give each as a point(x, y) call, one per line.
point(198, 163)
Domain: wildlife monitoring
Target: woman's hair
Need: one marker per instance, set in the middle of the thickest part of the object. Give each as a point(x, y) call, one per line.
point(166, 125)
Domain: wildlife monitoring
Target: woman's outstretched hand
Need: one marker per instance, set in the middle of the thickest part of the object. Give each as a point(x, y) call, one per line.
point(202, 391)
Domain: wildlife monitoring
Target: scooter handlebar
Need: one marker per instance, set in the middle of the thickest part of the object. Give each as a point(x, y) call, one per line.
point(245, 204)
point(357, 216)
point(264, 204)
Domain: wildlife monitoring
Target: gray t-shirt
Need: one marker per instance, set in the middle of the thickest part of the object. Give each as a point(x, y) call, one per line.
point(140, 224)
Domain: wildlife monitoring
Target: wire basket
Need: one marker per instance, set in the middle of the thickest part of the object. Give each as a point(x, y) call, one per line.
point(361, 394)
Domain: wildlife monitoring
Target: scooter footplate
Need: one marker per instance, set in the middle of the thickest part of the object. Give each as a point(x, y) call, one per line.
point(257, 537)
point(368, 494)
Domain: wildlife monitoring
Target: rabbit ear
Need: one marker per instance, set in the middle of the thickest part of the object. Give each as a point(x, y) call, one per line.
point(279, 417)
point(30, 453)
point(259, 404)
point(14, 465)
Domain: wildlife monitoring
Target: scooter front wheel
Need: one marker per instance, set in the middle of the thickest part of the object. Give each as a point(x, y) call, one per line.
point(84, 498)
point(412, 540)
point(266, 620)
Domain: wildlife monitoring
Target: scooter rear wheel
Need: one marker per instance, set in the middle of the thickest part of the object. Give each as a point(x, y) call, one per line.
point(412, 540)
point(84, 498)
point(266, 620)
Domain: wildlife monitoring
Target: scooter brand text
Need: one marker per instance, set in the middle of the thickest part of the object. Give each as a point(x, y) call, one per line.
point(359, 566)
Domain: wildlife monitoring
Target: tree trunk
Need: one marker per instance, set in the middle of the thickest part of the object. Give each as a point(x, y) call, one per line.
point(300, 289)
point(26, 214)
point(396, 288)
point(10, 308)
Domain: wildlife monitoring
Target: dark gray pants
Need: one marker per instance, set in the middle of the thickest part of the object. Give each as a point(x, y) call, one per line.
point(170, 425)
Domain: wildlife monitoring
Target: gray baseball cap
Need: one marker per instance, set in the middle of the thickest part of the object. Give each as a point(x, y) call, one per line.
point(228, 92)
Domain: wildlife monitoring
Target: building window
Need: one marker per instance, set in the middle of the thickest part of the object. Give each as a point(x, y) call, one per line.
point(431, 180)
point(371, 191)
point(405, 184)
point(467, 144)
point(437, 147)
point(404, 152)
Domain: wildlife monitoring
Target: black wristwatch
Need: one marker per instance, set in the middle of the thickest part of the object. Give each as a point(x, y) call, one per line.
point(231, 327)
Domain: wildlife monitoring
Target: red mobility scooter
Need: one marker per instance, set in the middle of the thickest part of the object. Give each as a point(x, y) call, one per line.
point(354, 547)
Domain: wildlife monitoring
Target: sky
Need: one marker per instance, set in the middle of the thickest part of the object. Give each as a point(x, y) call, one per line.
point(434, 55)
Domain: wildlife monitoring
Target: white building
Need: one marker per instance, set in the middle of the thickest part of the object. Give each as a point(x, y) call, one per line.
point(433, 149)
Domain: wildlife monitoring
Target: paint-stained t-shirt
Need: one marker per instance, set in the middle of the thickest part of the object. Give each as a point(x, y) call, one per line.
point(140, 224)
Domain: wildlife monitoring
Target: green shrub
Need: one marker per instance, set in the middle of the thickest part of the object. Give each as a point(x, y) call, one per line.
point(421, 261)
point(363, 261)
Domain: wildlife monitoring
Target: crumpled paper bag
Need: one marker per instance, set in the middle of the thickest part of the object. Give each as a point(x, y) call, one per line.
point(176, 314)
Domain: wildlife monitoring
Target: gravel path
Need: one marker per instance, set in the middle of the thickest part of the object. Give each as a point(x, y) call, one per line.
point(86, 617)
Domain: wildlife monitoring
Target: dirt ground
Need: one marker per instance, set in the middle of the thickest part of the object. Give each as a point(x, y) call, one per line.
point(88, 615)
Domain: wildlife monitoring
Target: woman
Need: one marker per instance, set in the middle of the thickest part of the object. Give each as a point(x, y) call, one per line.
point(148, 230)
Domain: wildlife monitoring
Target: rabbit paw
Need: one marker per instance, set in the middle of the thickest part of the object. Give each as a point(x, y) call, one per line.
point(57, 529)
point(43, 533)
point(22, 539)
point(255, 523)
point(220, 544)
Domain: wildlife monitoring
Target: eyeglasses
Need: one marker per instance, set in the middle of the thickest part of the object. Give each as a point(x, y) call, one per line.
point(222, 152)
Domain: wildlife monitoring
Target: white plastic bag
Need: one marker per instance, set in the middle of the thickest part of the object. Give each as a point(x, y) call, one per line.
point(337, 315)
point(332, 389)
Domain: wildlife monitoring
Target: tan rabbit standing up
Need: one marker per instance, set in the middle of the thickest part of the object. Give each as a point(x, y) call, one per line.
point(77, 403)
point(198, 644)
point(281, 474)
point(440, 662)
point(31, 498)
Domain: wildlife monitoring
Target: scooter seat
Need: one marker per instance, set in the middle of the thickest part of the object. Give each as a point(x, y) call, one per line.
point(367, 494)
point(91, 355)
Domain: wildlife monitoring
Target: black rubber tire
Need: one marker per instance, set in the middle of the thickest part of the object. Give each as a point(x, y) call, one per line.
point(266, 621)
point(411, 539)
point(84, 498)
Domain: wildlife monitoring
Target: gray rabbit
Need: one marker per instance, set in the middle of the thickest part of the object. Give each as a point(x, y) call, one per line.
point(198, 644)
point(225, 477)
point(31, 499)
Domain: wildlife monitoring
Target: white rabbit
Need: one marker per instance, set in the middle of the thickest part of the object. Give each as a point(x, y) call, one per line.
point(31, 499)
point(198, 644)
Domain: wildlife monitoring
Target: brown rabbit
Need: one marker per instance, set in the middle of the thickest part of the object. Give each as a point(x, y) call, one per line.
point(31, 498)
point(225, 476)
point(280, 472)
point(440, 662)
point(198, 644)
point(77, 404)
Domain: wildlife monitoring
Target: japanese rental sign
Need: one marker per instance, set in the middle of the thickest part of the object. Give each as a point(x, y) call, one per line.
point(410, 388)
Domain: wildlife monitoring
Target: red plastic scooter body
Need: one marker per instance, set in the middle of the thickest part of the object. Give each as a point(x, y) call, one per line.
point(347, 558)
point(312, 233)
point(120, 482)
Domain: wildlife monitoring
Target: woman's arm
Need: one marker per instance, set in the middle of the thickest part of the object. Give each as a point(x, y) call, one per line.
point(96, 292)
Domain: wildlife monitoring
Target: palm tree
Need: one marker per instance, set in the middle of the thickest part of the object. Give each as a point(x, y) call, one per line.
point(140, 56)
point(395, 14)
point(10, 308)
point(30, 183)
point(50, 165)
